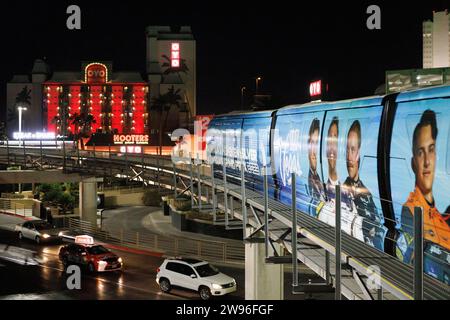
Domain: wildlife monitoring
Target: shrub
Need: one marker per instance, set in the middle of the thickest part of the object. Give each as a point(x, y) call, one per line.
point(181, 203)
point(151, 198)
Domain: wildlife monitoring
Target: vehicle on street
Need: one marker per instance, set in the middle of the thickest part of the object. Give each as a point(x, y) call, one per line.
point(38, 231)
point(195, 275)
point(94, 257)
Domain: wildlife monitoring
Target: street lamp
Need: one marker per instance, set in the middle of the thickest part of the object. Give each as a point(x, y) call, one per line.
point(257, 84)
point(242, 96)
point(20, 109)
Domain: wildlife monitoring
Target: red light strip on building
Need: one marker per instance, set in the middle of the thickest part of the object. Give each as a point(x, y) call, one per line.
point(96, 107)
point(117, 109)
point(138, 108)
point(74, 104)
point(52, 107)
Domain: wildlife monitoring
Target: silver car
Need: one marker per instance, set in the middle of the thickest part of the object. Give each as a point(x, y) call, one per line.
point(38, 231)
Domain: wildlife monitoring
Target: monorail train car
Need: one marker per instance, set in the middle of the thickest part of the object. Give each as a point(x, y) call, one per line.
point(390, 154)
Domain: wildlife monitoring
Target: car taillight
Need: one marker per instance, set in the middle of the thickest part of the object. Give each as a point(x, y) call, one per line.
point(157, 270)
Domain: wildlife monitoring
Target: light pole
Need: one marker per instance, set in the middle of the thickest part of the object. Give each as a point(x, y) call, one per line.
point(257, 84)
point(242, 96)
point(20, 109)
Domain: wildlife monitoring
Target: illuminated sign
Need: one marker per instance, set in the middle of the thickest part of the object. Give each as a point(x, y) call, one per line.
point(201, 126)
point(175, 55)
point(88, 240)
point(34, 136)
point(130, 149)
point(131, 139)
point(96, 73)
point(315, 88)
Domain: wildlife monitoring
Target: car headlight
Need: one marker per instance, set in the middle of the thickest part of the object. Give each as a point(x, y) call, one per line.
point(60, 234)
point(216, 286)
point(120, 260)
point(45, 236)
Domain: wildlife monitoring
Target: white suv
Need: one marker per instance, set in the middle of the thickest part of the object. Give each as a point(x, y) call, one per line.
point(195, 275)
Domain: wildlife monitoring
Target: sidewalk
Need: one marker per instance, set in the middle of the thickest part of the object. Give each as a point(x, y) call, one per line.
point(141, 219)
point(151, 220)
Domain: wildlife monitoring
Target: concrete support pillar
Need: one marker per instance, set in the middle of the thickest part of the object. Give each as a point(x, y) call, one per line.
point(88, 200)
point(263, 281)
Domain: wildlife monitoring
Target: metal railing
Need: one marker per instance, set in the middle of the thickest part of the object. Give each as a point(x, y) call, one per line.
point(162, 167)
point(12, 207)
point(215, 251)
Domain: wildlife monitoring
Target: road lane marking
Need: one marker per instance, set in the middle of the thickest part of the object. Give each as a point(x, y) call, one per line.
point(114, 283)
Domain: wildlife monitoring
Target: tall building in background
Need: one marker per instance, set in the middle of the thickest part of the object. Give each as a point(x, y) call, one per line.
point(436, 41)
point(117, 102)
point(171, 64)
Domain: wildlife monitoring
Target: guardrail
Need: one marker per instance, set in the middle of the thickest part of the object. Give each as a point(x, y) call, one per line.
point(11, 207)
point(215, 251)
point(154, 168)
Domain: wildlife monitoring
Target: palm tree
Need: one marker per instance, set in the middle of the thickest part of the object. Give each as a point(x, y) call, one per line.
point(82, 122)
point(3, 135)
point(23, 99)
point(183, 68)
point(162, 104)
point(174, 70)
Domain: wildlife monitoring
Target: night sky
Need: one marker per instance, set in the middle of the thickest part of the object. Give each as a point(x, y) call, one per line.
point(288, 43)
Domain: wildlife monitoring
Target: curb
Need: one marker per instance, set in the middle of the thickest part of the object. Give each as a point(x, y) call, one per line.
point(16, 215)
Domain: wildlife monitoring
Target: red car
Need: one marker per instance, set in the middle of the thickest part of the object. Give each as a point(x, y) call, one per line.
point(95, 257)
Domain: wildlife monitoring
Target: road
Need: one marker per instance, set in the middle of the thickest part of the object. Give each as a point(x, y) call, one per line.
point(30, 271)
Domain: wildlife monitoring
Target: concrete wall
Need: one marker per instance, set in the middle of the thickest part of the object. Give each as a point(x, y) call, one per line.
point(24, 207)
point(263, 281)
point(120, 198)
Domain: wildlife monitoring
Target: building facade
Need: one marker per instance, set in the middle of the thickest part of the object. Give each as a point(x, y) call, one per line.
point(171, 65)
point(97, 99)
point(115, 102)
point(436, 41)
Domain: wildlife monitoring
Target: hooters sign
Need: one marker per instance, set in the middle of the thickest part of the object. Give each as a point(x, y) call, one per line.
point(131, 139)
point(96, 73)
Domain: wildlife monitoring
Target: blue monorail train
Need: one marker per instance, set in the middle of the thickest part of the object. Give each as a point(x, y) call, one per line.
point(388, 153)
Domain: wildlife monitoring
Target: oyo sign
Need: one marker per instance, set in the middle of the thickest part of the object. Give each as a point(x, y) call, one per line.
point(315, 88)
point(96, 73)
point(131, 139)
point(175, 55)
point(130, 149)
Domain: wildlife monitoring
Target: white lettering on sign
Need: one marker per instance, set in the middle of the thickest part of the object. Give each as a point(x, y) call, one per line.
point(315, 88)
point(289, 155)
point(131, 138)
point(34, 135)
point(96, 73)
point(175, 55)
point(130, 149)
